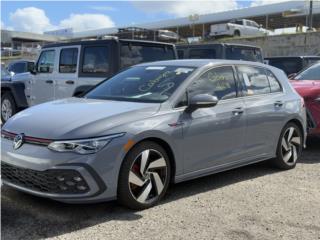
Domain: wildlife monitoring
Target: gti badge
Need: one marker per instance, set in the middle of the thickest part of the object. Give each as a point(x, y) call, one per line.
point(18, 141)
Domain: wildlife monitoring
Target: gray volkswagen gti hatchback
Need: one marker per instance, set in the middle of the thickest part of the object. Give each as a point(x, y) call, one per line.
point(153, 124)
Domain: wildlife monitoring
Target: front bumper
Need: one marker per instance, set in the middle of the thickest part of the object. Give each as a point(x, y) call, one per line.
point(66, 177)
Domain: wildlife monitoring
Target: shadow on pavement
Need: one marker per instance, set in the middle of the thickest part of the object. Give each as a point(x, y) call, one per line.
point(28, 217)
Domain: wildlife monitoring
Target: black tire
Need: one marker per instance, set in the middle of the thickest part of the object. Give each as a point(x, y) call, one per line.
point(7, 104)
point(236, 33)
point(125, 194)
point(280, 161)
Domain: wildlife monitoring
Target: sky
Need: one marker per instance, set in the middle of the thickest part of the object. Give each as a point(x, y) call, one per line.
point(40, 16)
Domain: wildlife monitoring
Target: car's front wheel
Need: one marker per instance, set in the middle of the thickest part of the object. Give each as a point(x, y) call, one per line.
point(289, 147)
point(144, 176)
point(8, 106)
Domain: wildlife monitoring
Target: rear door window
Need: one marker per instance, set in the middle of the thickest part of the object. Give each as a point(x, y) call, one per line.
point(96, 60)
point(275, 85)
point(68, 60)
point(135, 54)
point(254, 80)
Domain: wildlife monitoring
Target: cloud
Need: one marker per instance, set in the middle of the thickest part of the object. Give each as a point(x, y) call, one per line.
point(82, 22)
point(255, 3)
point(185, 8)
point(30, 19)
point(103, 8)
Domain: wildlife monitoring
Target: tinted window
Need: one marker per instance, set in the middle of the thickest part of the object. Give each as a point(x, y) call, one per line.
point(95, 60)
point(18, 67)
point(46, 61)
point(134, 54)
point(68, 60)
point(30, 66)
point(288, 65)
point(142, 84)
point(254, 79)
point(180, 54)
point(207, 53)
point(274, 83)
point(246, 54)
point(312, 73)
point(239, 22)
point(219, 82)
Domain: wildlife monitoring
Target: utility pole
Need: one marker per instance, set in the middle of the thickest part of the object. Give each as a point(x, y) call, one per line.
point(310, 20)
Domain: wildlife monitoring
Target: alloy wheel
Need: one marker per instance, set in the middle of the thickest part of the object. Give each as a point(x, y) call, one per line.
point(290, 146)
point(6, 109)
point(148, 176)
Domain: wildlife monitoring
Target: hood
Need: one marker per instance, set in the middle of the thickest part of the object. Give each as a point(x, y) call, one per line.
point(75, 118)
point(306, 87)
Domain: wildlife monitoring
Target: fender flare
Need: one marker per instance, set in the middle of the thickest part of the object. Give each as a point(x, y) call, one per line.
point(17, 91)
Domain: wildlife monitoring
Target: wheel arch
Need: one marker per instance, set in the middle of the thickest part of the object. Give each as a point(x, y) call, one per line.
point(166, 147)
point(299, 124)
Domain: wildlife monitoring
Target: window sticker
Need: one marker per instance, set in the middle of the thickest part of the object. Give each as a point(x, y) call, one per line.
point(155, 68)
point(178, 71)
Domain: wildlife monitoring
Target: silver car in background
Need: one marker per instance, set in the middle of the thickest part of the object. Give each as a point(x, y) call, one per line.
point(153, 124)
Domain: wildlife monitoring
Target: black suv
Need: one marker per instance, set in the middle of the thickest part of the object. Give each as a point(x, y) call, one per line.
point(220, 51)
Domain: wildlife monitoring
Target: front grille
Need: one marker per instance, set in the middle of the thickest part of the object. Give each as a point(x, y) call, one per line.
point(56, 181)
point(26, 139)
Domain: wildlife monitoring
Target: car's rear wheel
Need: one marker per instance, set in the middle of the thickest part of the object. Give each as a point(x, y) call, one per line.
point(289, 147)
point(144, 176)
point(8, 106)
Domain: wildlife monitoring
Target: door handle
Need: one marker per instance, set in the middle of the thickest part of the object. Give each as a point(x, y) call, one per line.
point(278, 104)
point(237, 111)
point(69, 82)
point(49, 81)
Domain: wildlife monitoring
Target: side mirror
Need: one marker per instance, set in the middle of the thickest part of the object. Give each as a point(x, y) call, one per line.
point(33, 70)
point(202, 101)
point(292, 75)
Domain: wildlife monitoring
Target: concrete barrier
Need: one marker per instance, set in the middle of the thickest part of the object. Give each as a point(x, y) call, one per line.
point(283, 45)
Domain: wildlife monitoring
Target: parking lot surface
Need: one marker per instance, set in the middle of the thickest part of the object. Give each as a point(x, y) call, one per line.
point(253, 202)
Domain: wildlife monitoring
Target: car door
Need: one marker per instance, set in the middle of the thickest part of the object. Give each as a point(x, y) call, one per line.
point(42, 85)
point(214, 136)
point(264, 109)
point(67, 74)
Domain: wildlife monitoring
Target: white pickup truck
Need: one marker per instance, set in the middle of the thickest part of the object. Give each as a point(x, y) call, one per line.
point(240, 27)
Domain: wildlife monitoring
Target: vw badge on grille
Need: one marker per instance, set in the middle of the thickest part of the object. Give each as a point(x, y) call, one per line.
point(18, 141)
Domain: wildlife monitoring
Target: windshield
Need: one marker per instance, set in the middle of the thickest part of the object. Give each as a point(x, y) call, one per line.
point(142, 84)
point(311, 73)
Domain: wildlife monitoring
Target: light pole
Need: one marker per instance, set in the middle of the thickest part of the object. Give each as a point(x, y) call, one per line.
point(193, 18)
point(310, 23)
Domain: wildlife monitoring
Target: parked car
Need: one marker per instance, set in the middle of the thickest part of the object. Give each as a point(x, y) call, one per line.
point(292, 64)
point(220, 51)
point(152, 124)
point(237, 28)
point(70, 69)
point(21, 66)
point(147, 34)
point(307, 84)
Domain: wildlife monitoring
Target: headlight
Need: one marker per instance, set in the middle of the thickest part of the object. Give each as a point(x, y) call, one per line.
point(83, 146)
point(317, 99)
